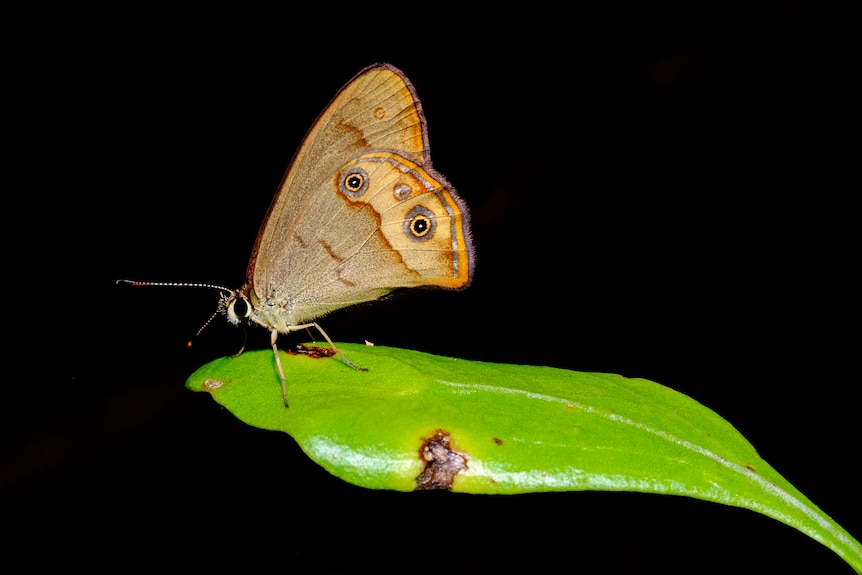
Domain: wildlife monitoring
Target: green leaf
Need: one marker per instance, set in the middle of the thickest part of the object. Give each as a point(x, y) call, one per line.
point(415, 420)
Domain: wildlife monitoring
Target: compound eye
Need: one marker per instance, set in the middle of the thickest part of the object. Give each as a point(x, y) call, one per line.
point(238, 309)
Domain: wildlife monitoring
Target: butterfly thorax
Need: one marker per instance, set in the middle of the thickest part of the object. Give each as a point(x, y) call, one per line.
point(281, 315)
point(244, 305)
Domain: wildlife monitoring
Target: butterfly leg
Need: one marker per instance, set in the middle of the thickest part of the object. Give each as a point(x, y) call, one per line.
point(338, 351)
point(244, 341)
point(273, 339)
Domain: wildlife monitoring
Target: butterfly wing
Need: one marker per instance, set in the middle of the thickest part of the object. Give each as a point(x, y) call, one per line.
point(326, 244)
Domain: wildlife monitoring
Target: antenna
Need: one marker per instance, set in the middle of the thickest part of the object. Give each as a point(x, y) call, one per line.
point(191, 285)
point(174, 284)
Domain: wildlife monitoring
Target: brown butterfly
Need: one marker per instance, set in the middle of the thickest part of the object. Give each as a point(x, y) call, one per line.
point(359, 213)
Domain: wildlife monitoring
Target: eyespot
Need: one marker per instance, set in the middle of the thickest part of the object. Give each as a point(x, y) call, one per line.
point(420, 224)
point(401, 192)
point(354, 182)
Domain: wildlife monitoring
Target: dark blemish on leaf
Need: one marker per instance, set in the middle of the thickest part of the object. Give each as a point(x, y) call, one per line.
point(312, 351)
point(498, 441)
point(442, 464)
point(750, 468)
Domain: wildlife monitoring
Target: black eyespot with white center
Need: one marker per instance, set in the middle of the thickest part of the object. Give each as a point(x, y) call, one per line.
point(420, 224)
point(354, 182)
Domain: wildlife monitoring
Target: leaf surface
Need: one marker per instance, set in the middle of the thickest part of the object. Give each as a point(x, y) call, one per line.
point(415, 420)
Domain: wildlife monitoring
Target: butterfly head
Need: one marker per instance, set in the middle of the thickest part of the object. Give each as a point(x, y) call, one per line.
point(235, 306)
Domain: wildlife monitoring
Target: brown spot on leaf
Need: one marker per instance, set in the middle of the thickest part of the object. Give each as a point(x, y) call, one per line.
point(313, 351)
point(442, 463)
point(498, 441)
point(211, 384)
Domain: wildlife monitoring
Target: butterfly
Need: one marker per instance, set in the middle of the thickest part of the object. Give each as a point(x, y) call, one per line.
point(359, 213)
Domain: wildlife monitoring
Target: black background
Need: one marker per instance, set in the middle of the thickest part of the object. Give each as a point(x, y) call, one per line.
point(656, 190)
